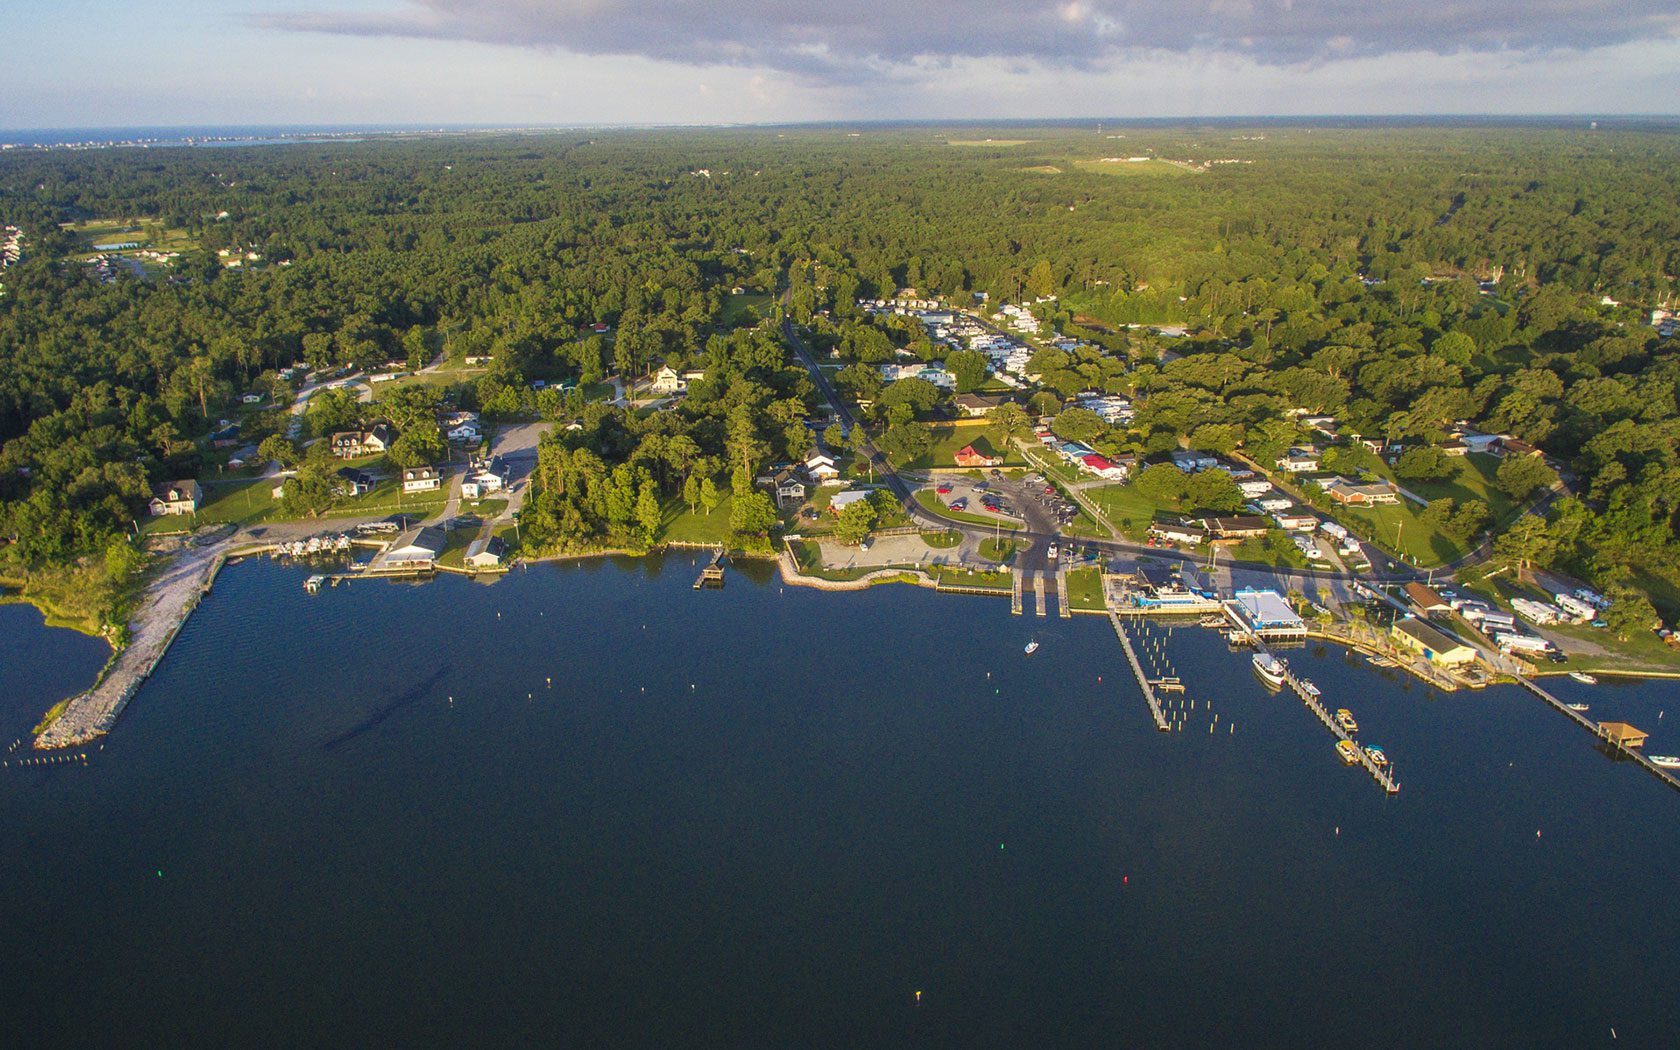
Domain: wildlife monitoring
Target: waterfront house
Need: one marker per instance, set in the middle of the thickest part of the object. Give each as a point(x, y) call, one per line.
point(787, 487)
point(486, 553)
point(176, 497)
point(420, 479)
point(1416, 636)
point(1360, 494)
point(417, 549)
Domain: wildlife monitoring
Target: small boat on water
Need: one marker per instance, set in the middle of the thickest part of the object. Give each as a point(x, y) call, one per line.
point(1344, 718)
point(1269, 668)
point(1666, 761)
point(1576, 707)
point(1376, 756)
point(1583, 677)
point(1349, 751)
point(1032, 647)
point(1308, 688)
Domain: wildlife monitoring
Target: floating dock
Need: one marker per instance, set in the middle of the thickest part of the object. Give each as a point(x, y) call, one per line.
point(1143, 681)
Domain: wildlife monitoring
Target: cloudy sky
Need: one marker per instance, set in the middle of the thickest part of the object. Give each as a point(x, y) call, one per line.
point(95, 63)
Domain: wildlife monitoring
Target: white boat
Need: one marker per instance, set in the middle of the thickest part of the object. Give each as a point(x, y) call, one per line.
point(1308, 688)
point(1583, 677)
point(1032, 647)
point(1576, 707)
point(1269, 668)
point(1666, 761)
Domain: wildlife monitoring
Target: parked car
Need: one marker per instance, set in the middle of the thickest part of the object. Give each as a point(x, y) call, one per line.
point(960, 503)
point(943, 490)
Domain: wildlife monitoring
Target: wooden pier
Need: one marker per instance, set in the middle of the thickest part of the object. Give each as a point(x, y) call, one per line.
point(1015, 586)
point(1063, 608)
point(1378, 773)
point(1143, 681)
point(1038, 594)
point(712, 574)
point(1598, 731)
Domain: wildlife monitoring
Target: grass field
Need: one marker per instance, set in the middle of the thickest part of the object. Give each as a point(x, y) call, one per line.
point(948, 439)
point(1128, 509)
point(1474, 477)
point(147, 233)
point(746, 308)
point(998, 550)
point(1084, 588)
point(681, 526)
point(1420, 544)
point(1123, 167)
point(954, 576)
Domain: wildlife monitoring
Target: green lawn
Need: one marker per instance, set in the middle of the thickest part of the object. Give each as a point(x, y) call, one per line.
point(1283, 553)
point(956, 576)
point(948, 439)
point(1128, 509)
point(744, 309)
point(455, 546)
point(997, 550)
point(1420, 544)
point(1084, 588)
point(931, 501)
point(683, 526)
point(941, 541)
point(148, 233)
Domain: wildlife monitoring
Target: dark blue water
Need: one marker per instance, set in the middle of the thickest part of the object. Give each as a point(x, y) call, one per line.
point(760, 817)
point(39, 666)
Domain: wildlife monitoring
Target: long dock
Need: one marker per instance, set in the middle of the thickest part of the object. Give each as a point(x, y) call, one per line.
point(1380, 775)
point(1593, 727)
point(1063, 609)
point(1015, 593)
point(1155, 711)
point(1038, 594)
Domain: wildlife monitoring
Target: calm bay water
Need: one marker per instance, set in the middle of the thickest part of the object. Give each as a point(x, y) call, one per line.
point(590, 806)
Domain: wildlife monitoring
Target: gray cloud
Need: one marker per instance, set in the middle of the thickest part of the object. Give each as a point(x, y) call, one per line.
point(857, 40)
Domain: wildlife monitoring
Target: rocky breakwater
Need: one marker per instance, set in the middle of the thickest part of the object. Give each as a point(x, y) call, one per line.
point(169, 599)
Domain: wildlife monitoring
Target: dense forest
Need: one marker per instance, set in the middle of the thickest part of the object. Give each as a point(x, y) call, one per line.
point(1400, 279)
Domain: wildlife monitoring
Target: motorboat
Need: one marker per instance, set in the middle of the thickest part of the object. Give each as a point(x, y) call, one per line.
point(1576, 707)
point(1349, 751)
point(1583, 677)
point(1666, 761)
point(1269, 668)
point(1375, 754)
point(1344, 718)
point(1308, 688)
point(1032, 647)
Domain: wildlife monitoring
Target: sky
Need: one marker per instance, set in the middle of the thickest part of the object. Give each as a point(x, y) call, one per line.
point(124, 63)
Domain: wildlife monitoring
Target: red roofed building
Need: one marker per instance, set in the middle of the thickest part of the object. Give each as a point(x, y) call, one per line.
point(1103, 468)
point(968, 457)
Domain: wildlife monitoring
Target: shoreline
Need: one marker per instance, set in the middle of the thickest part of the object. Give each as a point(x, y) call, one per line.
point(169, 599)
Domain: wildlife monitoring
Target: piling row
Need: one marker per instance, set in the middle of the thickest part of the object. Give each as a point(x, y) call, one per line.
point(1155, 711)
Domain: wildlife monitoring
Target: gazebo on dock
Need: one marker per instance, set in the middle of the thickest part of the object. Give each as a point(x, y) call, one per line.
point(1621, 734)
